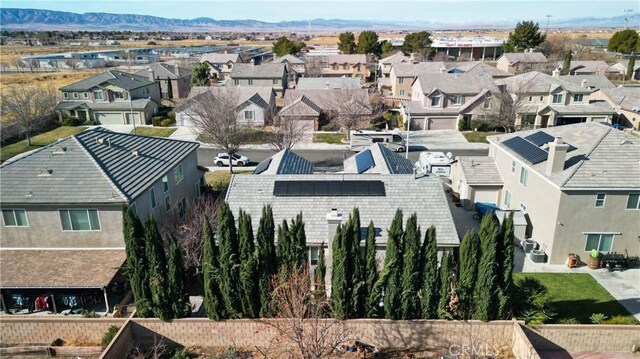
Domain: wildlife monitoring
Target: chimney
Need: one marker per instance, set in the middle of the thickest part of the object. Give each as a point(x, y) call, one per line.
point(412, 57)
point(334, 219)
point(226, 51)
point(557, 156)
point(274, 56)
point(555, 73)
point(252, 62)
point(328, 85)
point(176, 70)
point(583, 83)
point(151, 76)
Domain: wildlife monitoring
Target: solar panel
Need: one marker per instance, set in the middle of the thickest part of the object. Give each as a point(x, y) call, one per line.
point(540, 138)
point(527, 150)
point(262, 166)
point(364, 161)
point(328, 188)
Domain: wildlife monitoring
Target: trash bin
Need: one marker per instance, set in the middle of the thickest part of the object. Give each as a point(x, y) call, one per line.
point(572, 262)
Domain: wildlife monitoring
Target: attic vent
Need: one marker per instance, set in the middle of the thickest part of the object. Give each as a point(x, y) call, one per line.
point(625, 141)
point(45, 172)
point(59, 151)
point(135, 153)
point(29, 194)
point(99, 140)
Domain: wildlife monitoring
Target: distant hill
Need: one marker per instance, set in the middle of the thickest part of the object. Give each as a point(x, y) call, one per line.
point(34, 19)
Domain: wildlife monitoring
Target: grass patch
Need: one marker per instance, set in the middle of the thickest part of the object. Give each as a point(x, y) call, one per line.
point(38, 141)
point(477, 136)
point(155, 131)
point(578, 295)
point(219, 180)
point(333, 138)
point(257, 137)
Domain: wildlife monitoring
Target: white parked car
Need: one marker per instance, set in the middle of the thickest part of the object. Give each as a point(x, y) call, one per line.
point(222, 159)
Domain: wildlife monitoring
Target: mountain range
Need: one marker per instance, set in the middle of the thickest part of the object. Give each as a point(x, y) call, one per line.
point(35, 19)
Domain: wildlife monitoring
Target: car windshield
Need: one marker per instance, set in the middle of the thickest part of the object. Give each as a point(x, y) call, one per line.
point(236, 157)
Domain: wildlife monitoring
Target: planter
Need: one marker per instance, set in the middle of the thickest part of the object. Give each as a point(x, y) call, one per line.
point(537, 256)
point(594, 262)
point(528, 245)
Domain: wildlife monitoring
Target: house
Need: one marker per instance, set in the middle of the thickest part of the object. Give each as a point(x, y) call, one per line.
point(174, 81)
point(320, 83)
point(220, 65)
point(599, 68)
point(475, 179)
point(256, 105)
point(625, 101)
point(112, 97)
point(295, 66)
point(578, 185)
point(285, 162)
point(354, 65)
point(312, 107)
point(386, 64)
point(402, 76)
point(265, 75)
point(62, 232)
point(591, 82)
point(517, 62)
point(440, 101)
point(378, 159)
point(619, 69)
point(476, 68)
point(543, 100)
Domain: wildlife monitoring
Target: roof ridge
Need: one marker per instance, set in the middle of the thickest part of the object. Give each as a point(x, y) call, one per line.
point(586, 155)
point(38, 150)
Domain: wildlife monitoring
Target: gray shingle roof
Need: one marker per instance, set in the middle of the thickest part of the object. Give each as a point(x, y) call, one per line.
point(163, 70)
point(596, 81)
point(586, 66)
point(537, 82)
point(215, 58)
point(349, 59)
point(323, 83)
point(424, 196)
point(396, 58)
point(137, 104)
point(456, 83)
point(118, 78)
point(288, 59)
point(286, 162)
point(259, 95)
point(79, 169)
point(479, 67)
point(479, 170)
point(328, 99)
point(529, 57)
point(413, 70)
point(385, 162)
point(263, 71)
point(627, 98)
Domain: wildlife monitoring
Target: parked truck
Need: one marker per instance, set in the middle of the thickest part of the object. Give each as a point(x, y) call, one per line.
point(436, 163)
point(390, 139)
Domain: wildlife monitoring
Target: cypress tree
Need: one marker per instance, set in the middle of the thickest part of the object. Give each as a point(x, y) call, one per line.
point(213, 298)
point(157, 271)
point(429, 282)
point(178, 293)
point(267, 263)
point(447, 271)
point(339, 283)
point(375, 310)
point(284, 246)
point(566, 64)
point(411, 269)
point(320, 273)
point(393, 263)
point(485, 292)
point(229, 262)
point(370, 272)
point(248, 267)
point(630, 66)
point(505, 267)
point(468, 267)
point(356, 268)
point(137, 266)
point(298, 241)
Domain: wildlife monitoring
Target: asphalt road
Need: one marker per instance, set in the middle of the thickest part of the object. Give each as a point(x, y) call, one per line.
point(320, 158)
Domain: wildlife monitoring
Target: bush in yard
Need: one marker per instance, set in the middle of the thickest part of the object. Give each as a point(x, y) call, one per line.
point(462, 124)
point(327, 128)
point(70, 121)
point(598, 318)
point(569, 321)
point(620, 319)
point(108, 335)
point(530, 301)
point(172, 115)
point(157, 120)
point(167, 122)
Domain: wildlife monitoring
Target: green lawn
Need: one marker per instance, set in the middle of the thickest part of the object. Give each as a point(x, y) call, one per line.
point(578, 295)
point(333, 138)
point(478, 136)
point(219, 180)
point(155, 131)
point(38, 141)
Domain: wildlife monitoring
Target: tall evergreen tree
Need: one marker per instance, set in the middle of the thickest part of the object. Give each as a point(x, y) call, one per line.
point(447, 273)
point(375, 298)
point(429, 282)
point(566, 64)
point(213, 299)
point(631, 65)
point(200, 75)
point(393, 263)
point(339, 283)
point(368, 43)
point(267, 263)
point(230, 283)
point(157, 271)
point(505, 267)
point(298, 242)
point(248, 267)
point(411, 269)
point(284, 246)
point(356, 268)
point(347, 43)
point(178, 293)
point(525, 36)
point(320, 273)
point(137, 266)
point(468, 267)
point(486, 287)
point(371, 272)
point(347, 249)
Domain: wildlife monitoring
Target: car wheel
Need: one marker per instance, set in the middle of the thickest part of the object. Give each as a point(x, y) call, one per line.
point(241, 164)
point(219, 163)
point(400, 149)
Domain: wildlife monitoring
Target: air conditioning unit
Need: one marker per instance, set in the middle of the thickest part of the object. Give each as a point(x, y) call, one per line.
point(528, 245)
point(537, 256)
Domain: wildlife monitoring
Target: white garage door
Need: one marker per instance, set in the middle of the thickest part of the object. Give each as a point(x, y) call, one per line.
point(136, 116)
point(443, 123)
point(109, 118)
point(484, 195)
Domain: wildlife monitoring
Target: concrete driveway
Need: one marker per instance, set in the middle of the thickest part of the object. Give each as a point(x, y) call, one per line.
point(442, 139)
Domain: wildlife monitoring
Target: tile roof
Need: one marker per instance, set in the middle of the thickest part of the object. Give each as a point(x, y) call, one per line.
point(349, 59)
point(323, 83)
point(537, 82)
point(137, 104)
point(413, 70)
point(586, 66)
point(215, 58)
point(604, 157)
point(385, 162)
point(595, 81)
point(481, 68)
point(622, 66)
point(456, 83)
point(479, 170)
point(59, 269)
point(80, 169)
point(424, 196)
point(163, 70)
point(627, 98)
point(529, 57)
point(328, 99)
point(263, 71)
point(288, 59)
point(259, 95)
point(396, 58)
point(117, 78)
point(286, 162)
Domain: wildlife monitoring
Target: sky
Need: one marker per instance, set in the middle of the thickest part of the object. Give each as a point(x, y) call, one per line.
point(417, 10)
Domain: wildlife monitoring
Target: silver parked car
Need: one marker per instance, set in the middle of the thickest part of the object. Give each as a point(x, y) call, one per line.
point(222, 159)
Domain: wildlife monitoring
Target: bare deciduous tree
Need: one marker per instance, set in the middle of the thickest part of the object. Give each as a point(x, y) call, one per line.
point(29, 108)
point(288, 131)
point(351, 110)
point(313, 66)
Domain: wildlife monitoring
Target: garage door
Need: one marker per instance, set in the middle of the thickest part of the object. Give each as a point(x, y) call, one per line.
point(109, 118)
point(136, 116)
point(443, 123)
point(484, 195)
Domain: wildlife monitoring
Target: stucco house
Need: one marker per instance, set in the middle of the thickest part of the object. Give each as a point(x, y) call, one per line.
point(295, 66)
point(619, 69)
point(256, 105)
point(325, 83)
point(62, 231)
point(265, 75)
point(377, 158)
point(386, 64)
point(353, 65)
point(518, 62)
point(112, 97)
point(220, 65)
point(402, 76)
point(174, 81)
point(598, 67)
point(625, 101)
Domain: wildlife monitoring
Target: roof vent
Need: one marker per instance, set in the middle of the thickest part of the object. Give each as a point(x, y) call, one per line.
point(135, 153)
point(99, 140)
point(59, 151)
point(29, 194)
point(45, 172)
point(625, 141)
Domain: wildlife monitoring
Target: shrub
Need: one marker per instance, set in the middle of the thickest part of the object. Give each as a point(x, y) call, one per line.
point(172, 115)
point(462, 124)
point(598, 318)
point(620, 319)
point(157, 120)
point(90, 122)
point(484, 125)
point(167, 122)
point(530, 301)
point(89, 314)
point(328, 127)
point(151, 43)
point(70, 121)
point(181, 353)
point(108, 336)
point(568, 321)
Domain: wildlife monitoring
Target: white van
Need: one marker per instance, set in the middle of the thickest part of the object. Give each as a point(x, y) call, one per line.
point(436, 163)
point(390, 139)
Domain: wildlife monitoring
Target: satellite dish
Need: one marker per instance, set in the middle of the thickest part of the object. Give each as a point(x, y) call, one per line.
point(449, 155)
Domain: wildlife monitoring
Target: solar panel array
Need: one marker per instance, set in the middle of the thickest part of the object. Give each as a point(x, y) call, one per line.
point(364, 161)
point(541, 138)
point(351, 188)
point(527, 150)
point(262, 166)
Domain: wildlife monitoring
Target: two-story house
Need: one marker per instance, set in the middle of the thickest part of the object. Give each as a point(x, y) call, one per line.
point(295, 66)
point(518, 62)
point(174, 81)
point(220, 65)
point(386, 64)
point(599, 68)
point(620, 68)
point(543, 100)
point(353, 65)
point(325, 83)
point(440, 100)
point(264, 75)
point(625, 101)
point(62, 220)
point(112, 97)
point(402, 76)
point(578, 185)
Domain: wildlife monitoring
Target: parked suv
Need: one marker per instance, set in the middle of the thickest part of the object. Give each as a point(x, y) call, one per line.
point(222, 159)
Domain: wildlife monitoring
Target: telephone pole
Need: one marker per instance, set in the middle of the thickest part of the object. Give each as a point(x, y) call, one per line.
point(548, 17)
point(627, 14)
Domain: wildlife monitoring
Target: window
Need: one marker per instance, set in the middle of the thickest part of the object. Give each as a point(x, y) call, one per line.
point(401, 92)
point(85, 95)
point(600, 197)
point(248, 115)
point(513, 166)
point(165, 184)
point(530, 98)
point(487, 104)
point(152, 196)
point(456, 100)
point(633, 202)
point(15, 218)
point(557, 98)
point(250, 81)
point(541, 98)
point(72, 113)
point(523, 207)
point(80, 219)
point(507, 199)
point(314, 254)
point(524, 176)
point(118, 95)
point(401, 80)
point(599, 241)
point(435, 101)
point(276, 81)
point(377, 139)
point(182, 208)
point(75, 95)
point(178, 174)
point(578, 97)
point(98, 95)
point(236, 82)
point(65, 95)
point(197, 188)
point(167, 204)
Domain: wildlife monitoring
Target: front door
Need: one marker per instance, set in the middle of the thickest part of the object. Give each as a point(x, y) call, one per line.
point(544, 122)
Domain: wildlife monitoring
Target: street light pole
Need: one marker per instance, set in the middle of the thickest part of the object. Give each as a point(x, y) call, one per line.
point(406, 146)
point(131, 110)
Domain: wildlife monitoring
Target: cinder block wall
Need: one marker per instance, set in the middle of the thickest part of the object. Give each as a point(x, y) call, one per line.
point(594, 337)
point(39, 330)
